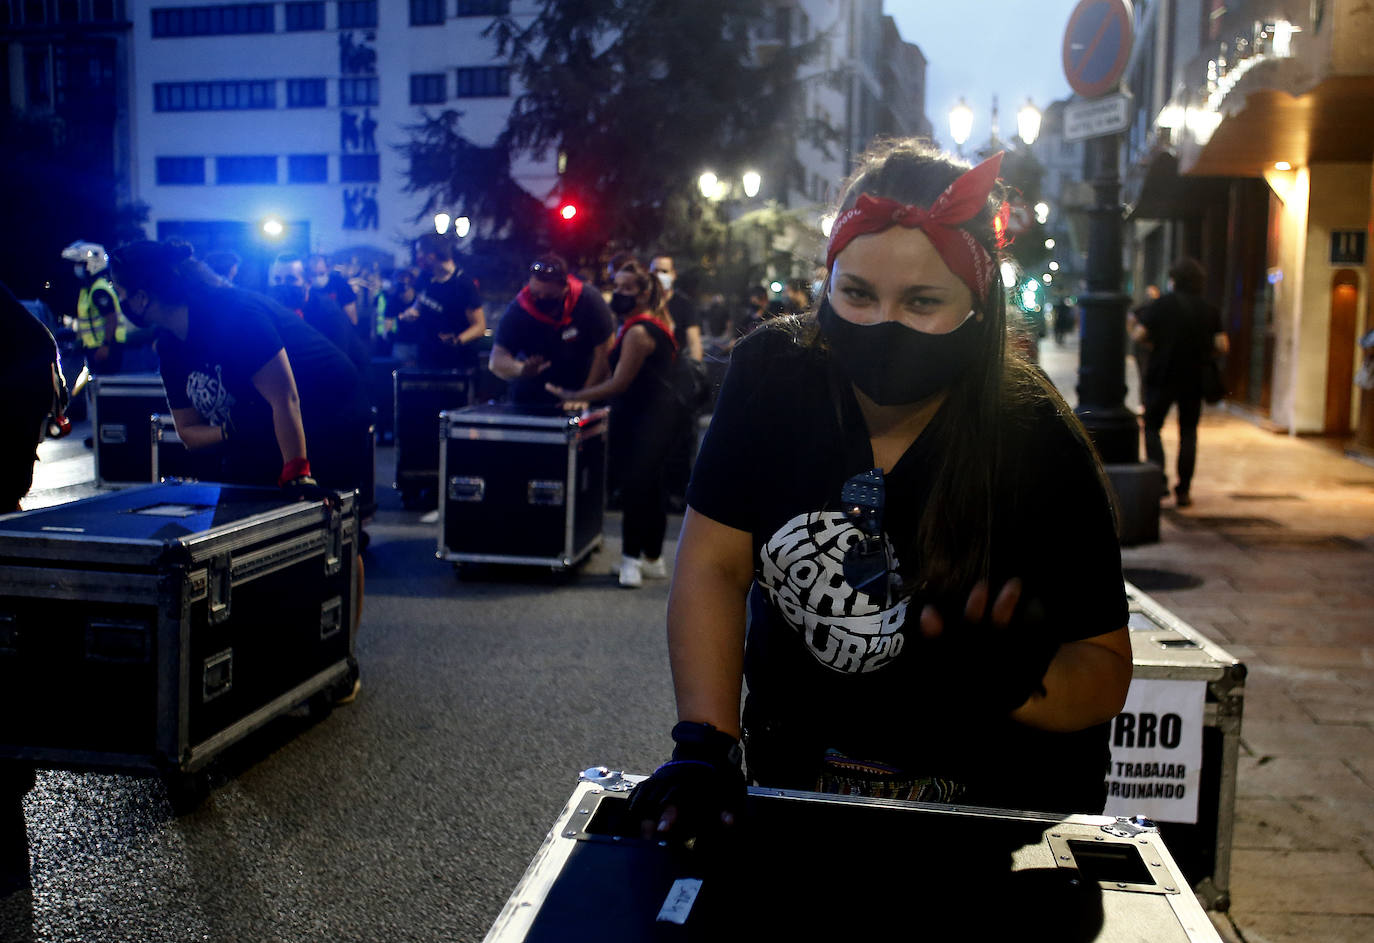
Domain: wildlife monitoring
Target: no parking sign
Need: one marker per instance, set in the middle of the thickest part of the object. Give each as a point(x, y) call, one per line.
point(1097, 45)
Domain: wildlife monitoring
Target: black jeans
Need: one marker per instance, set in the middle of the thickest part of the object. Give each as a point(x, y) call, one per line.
point(1157, 403)
point(640, 448)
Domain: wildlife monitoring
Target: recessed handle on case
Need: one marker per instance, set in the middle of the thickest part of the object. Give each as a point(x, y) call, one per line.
point(545, 493)
point(218, 675)
point(331, 618)
point(114, 433)
point(467, 489)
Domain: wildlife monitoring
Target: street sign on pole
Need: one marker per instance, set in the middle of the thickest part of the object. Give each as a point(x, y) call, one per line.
point(1097, 45)
point(1095, 117)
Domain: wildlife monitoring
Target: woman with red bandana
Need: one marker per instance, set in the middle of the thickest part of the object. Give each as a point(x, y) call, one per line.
point(873, 499)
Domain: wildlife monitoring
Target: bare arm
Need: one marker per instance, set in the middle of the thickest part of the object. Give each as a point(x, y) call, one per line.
point(351, 310)
point(706, 616)
point(1221, 343)
point(194, 431)
point(635, 349)
point(504, 364)
point(601, 363)
point(1085, 685)
point(277, 385)
point(477, 326)
point(694, 342)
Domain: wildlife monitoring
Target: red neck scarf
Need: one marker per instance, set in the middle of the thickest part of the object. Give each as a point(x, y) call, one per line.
point(526, 300)
point(942, 223)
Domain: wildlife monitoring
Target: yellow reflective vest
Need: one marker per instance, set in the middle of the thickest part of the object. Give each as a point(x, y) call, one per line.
point(90, 324)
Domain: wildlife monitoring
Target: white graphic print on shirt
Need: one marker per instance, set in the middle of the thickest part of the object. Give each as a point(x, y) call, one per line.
point(209, 396)
point(803, 575)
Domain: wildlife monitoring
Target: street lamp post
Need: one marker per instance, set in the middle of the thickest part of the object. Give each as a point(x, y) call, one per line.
point(1028, 122)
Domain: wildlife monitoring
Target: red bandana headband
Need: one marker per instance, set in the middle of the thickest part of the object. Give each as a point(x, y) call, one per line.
point(962, 201)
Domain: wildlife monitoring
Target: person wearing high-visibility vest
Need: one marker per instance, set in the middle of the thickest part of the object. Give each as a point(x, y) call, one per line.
point(100, 326)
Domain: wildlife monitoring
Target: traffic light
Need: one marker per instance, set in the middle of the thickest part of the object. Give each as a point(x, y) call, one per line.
point(567, 211)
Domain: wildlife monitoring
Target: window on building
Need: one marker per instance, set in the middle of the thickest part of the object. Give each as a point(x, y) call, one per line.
point(214, 96)
point(103, 10)
point(483, 7)
point(305, 93)
point(360, 168)
point(68, 11)
point(428, 88)
point(173, 171)
point(357, 14)
point(221, 20)
point(305, 16)
point(483, 82)
point(359, 91)
point(256, 168)
point(307, 168)
point(426, 12)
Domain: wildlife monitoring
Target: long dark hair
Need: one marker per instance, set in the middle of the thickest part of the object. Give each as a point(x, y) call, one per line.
point(646, 283)
point(954, 534)
point(168, 271)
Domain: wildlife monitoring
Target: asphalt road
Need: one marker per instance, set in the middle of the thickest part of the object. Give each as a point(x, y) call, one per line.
point(408, 815)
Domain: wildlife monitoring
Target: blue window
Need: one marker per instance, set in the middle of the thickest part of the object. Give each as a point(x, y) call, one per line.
point(221, 20)
point(426, 12)
point(360, 168)
point(307, 168)
point(483, 7)
point(357, 14)
point(428, 88)
point(305, 93)
point(483, 82)
point(305, 16)
point(180, 170)
point(359, 91)
point(258, 168)
point(214, 96)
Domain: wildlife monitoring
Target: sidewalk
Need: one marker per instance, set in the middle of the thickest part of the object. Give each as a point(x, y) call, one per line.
point(1275, 562)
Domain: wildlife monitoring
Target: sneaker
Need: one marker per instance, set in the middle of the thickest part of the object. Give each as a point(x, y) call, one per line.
point(430, 517)
point(653, 569)
point(630, 575)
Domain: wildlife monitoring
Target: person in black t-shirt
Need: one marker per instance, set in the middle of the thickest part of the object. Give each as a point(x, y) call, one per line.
point(447, 310)
point(293, 291)
point(1183, 332)
point(869, 499)
point(686, 319)
point(645, 418)
point(558, 330)
point(332, 284)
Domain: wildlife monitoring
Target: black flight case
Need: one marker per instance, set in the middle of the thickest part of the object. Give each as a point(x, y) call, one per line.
point(419, 397)
point(121, 405)
point(812, 866)
point(523, 485)
point(148, 629)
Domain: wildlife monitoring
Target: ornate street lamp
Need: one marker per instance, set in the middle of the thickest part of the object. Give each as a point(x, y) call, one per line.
point(1028, 122)
point(960, 124)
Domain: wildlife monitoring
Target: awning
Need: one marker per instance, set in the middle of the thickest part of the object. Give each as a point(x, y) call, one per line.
point(1162, 193)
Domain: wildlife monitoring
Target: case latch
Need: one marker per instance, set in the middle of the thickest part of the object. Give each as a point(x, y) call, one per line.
point(333, 554)
point(545, 493)
point(113, 433)
point(331, 618)
point(467, 489)
point(219, 577)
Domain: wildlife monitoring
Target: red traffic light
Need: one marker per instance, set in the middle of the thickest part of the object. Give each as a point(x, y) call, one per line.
point(567, 211)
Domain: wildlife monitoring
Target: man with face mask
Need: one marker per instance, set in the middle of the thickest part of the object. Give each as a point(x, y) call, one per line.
point(686, 319)
point(328, 282)
point(295, 292)
point(557, 331)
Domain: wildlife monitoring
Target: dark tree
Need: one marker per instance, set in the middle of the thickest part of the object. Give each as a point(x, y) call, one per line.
point(633, 99)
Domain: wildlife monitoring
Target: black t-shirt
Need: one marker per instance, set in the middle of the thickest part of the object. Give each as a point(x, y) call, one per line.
point(685, 315)
point(844, 673)
point(649, 392)
point(324, 316)
point(444, 308)
point(568, 341)
point(337, 290)
point(1181, 329)
point(232, 334)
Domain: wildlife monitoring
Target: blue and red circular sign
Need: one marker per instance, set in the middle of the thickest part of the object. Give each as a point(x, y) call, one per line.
point(1097, 46)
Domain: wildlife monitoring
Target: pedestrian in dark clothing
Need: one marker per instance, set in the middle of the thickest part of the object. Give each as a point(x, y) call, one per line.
point(1184, 332)
point(292, 290)
point(447, 309)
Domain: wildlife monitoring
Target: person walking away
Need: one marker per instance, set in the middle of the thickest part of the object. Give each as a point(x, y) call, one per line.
point(558, 330)
point(867, 501)
point(447, 310)
point(644, 418)
point(1140, 350)
point(1183, 332)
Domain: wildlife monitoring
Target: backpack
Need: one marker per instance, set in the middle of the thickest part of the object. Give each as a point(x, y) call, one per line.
point(687, 379)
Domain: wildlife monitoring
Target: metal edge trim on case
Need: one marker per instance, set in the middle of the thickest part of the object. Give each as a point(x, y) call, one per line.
point(570, 505)
point(83, 585)
point(201, 753)
point(440, 547)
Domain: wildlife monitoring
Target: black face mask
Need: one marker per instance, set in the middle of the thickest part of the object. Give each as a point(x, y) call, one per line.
point(548, 305)
point(292, 296)
point(895, 364)
point(622, 304)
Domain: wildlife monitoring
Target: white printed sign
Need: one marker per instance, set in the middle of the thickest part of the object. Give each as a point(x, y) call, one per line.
point(1157, 751)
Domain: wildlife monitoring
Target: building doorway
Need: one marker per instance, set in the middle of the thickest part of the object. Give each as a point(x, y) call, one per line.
point(1340, 351)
